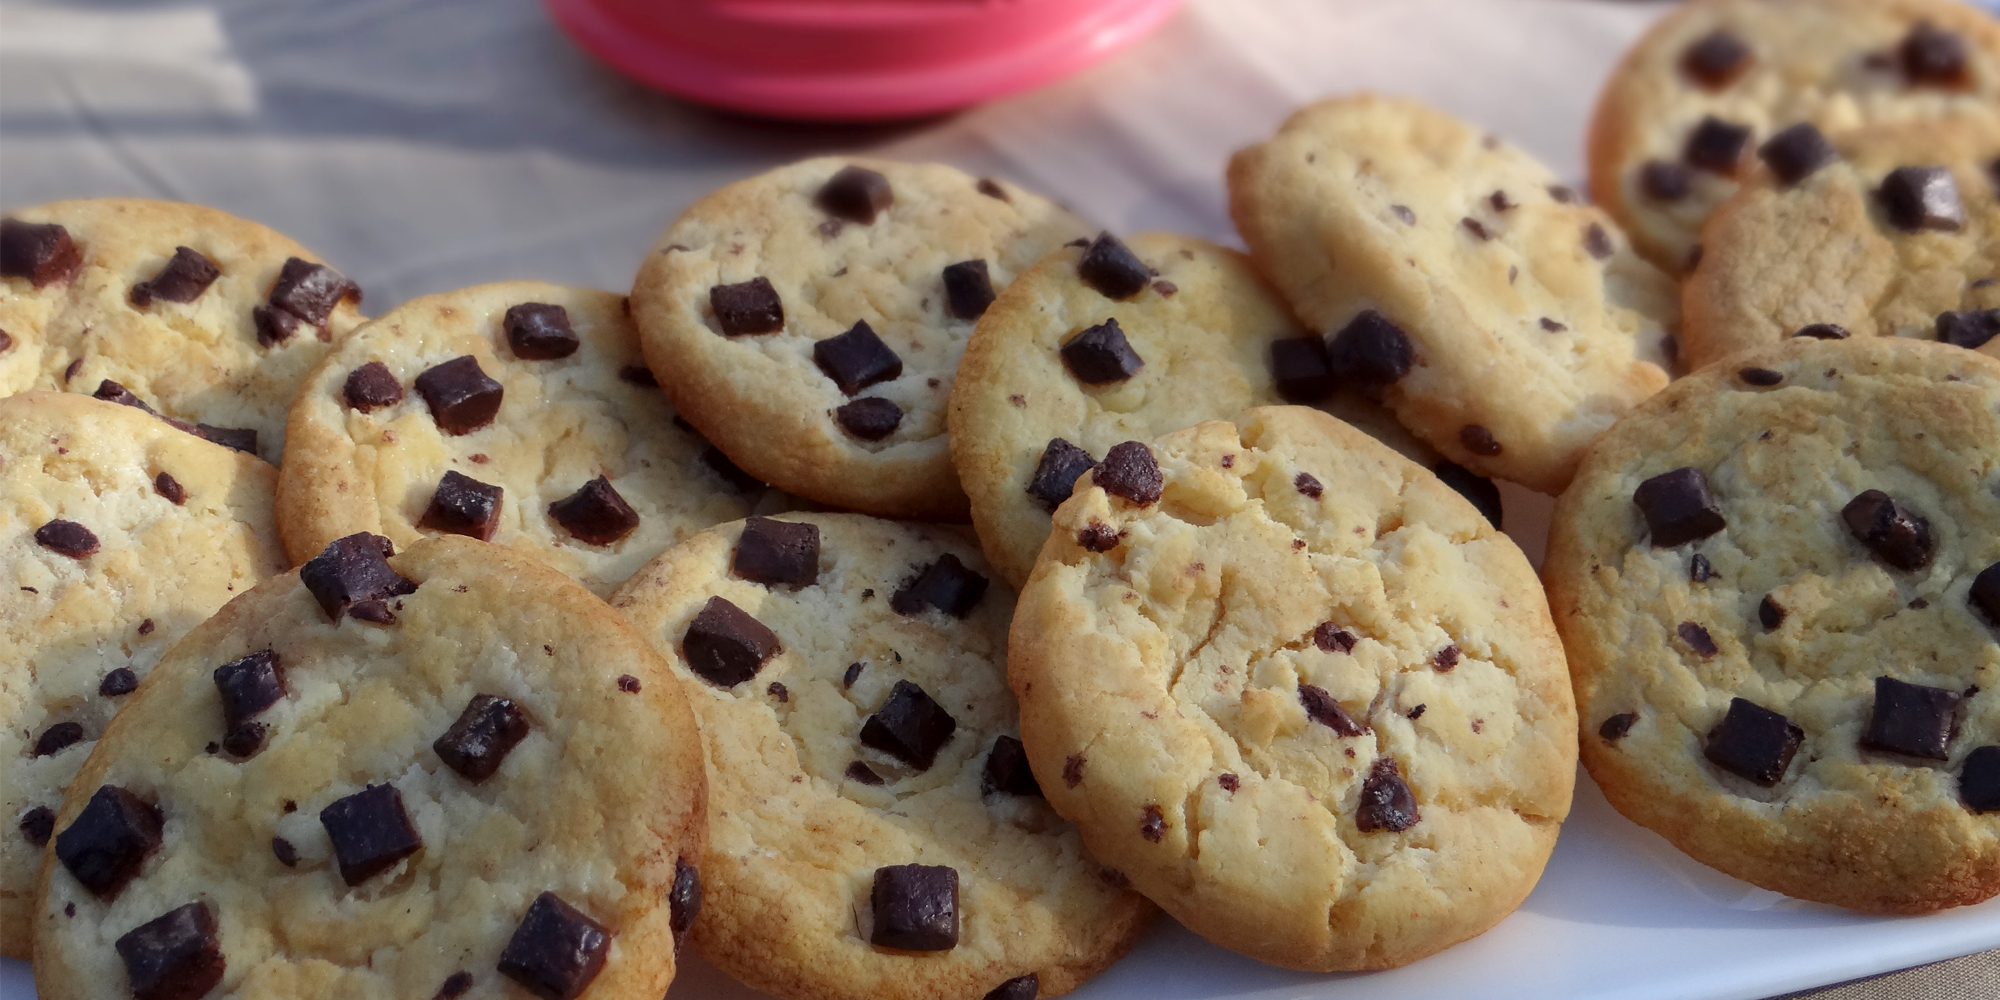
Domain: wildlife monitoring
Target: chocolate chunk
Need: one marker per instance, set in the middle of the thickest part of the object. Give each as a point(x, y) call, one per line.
point(1770, 613)
point(1615, 727)
point(947, 585)
point(1098, 537)
point(1331, 638)
point(539, 331)
point(968, 289)
point(67, 538)
point(748, 307)
point(283, 850)
point(1323, 709)
point(857, 359)
point(1026, 987)
point(58, 738)
point(186, 275)
point(1476, 228)
point(42, 253)
point(595, 514)
point(1501, 202)
point(372, 387)
point(556, 950)
point(852, 673)
point(1896, 534)
point(916, 907)
point(237, 438)
point(1979, 782)
point(1795, 153)
point(1481, 491)
point(352, 576)
point(1100, 355)
point(175, 956)
point(725, 646)
point(109, 840)
point(992, 189)
point(462, 505)
point(778, 691)
point(683, 899)
point(1228, 781)
point(1930, 55)
point(455, 986)
point(910, 726)
point(1073, 770)
point(1478, 440)
point(1699, 569)
point(1447, 658)
point(639, 375)
point(1056, 474)
point(1130, 471)
point(1562, 193)
point(1822, 331)
point(1697, 638)
point(777, 553)
point(1919, 198)
point(170, 488)
point(1598, 242)
point(1717, 60)
point(274, 325)
point(310, 291)
point(855, 194)
point(1309, 485)
point(1404, 213)
point(861, 773)
point(1385, 802)
point(1678, 507)
point(1665, 181)
point(870, 418)
point(1111, 267)
point(118, 683)
point(1300, 369)
point(1152, 824)
point(628, 683)
point(1753, 742)
point(739, 480)
point(1716, 145)
point(478, 742)
point(1007, 770)
point(1912, 719)
point(244, 739)
point(1985, 592)
point(38, 825)
point(461, 396)
point(1370, 350)
point(115, 392)
point(1761, 377)
point(1970, 330)
point(371, 831)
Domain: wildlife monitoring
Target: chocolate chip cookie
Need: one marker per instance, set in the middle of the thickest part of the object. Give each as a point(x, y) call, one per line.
point(1682, 119)
point(1325, 720)
point(209, 319)
point(875, 829)
point(446, 772)
point(1502, 320)
point(809, 320)
point(1779, 585)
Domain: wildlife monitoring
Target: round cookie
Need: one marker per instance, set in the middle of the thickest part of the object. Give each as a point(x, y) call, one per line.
point(1897, 237)
point(559, 398)
point(1326, 721)
point(1683, 114)
point(468, 774)
point(205, 317)
point(809, 320)
point(1502, 320)
point(874, 830)
point(1206, 339)
point(118, 533)
point(1779, 583)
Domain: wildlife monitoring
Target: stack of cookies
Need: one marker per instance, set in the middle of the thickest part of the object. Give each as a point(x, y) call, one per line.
point(502, 644)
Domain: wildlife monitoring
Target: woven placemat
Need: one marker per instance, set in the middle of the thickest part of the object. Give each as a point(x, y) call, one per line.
point(1974, 977)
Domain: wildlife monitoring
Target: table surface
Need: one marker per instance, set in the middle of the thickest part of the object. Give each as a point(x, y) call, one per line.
point(423, 145)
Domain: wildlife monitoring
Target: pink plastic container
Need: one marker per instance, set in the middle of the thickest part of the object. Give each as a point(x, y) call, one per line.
point(853, 60)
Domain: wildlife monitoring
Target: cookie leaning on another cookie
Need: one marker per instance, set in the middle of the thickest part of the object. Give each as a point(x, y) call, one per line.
point(1325, 720)
point(809, 320)
point(1779, 585)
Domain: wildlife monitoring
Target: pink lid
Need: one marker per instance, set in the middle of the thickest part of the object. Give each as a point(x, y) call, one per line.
point(853, 60)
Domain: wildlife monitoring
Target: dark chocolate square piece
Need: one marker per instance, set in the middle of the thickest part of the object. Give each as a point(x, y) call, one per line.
point(109, 840)
point(1979, 781)
point(777, 553)
point(115, 392)
point(462, 505)
point(1026, 987)
point(310, 291)
point(175, 956)
point(1717, 60)
point(556, 950)
point(370, 831)
point(1933, 56)
point(1753, 743)
point(595, 514)
point(683, 899)
point(1912, 719)
point(67, 538)
point(947, 585)
point(1129, 470)
point(1101, 355)
point(910, 726)
point(1322, 708)
point(1056, 474)
point(968, 289)
point(1716, 145)
point(1386, 802)
point(725, 646)
point(57, 738)
point(42, 253)
point(1896, 534)
point(274, 325)
point(1795, 153)
point(855, 194)
point(1919, 198)
point(1300, 369)
point(372, 387)
point(1481, 491)
point(478, 742)
point(856, 359)
point(539, 331)
point(747, 307)
point(352, 576)
point(1678, 507)
point(1970, 329)
point(1007, 770)
point(186, 275)
point(916, 907)
point(1664, 181)
point(249, 686)
point(870, 418)
point(1111, 267)
point(461, 396)
point(1985, 593)
point(1371, 350)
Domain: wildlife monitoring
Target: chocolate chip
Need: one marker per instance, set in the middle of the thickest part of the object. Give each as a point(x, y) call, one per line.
point(1985, 592)
point(595, 514)
point(992, 189)
point(70, 372)
point(683, 899)
point(169, 487)
point(1717, 60)
point(1101, 355)
point(1109, 266)
point(371, 831)
point(910, 726)
point(1323, 709)
point(870, 418)
point(1098, 537)
point(852, 673)
point(1665, 181)
point(1446, 658)
point(628, 683)
point(1385, 802)
point(1931, 55)
point(118, 683)
point(539, 331)
point(479, 740)
point(1697, 638)
point(856, 359)
point(1166, 288)
point(58, 738)
point(1598, 242)
point(639, 375)
point(556, 950)
point(186, 275)
point(1130, 471)
point(1073, 770)
point(1300, 370)
point(114, 392)
point(1371, 350)
point(1476, 228)
point(777, 553)
point(860, 773)
point(1753, 742)
point(42, 253)
point(916, 907)
point(310, 291)
point(1770, 613)
point(352, 576)
point(1228, 781)
point(109, 840)
point(38, 825)
point(175, 956)
point(1062, 464)
point(1484, 495)
point(1970, 329)
point(748, 307)
point(1896, 534)
point(455, 986)
point(1007, 770)
point(725, 646)
point(274, 326)
point(1026, 987)
point(372, 387)
point(1919, 198)
point(236, 438)
point(1716, 145)
point(286, 854)
point(462, 505)
point(1562, 193)
point(1404, 213)
point(67, 538)
point(1795, 153)
point(1761, 377)
point(1152, 824)
point(947, 585)
point(968, 289)
point(739, 480)
point(1979, 782)
point(1615, 727)
point(1331, 638)
point(1678, 507)
point(1822, 331)
point(1478, 440)
point(1308, 484)
point(855, 194)
point(461, 396)
point(1912, 719)
point(1501, 202)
